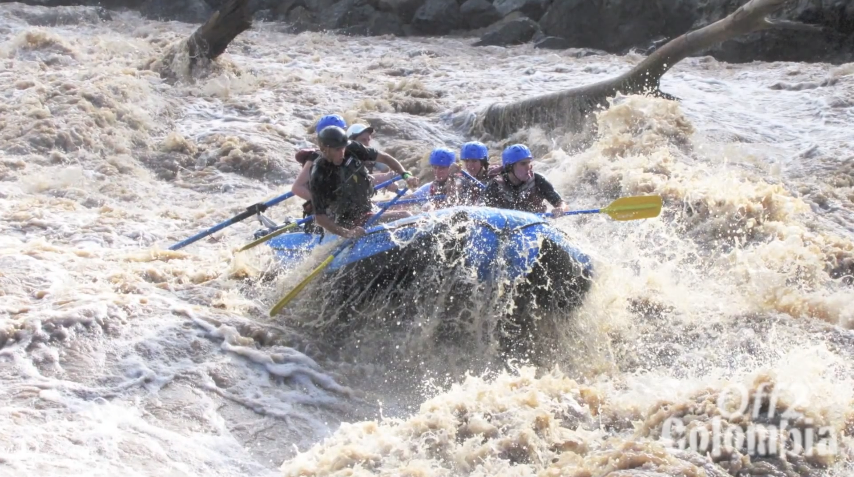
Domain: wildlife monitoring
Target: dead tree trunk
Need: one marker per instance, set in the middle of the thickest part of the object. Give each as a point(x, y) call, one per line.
point(208, 41)
point(571, 107)
point(211, 39)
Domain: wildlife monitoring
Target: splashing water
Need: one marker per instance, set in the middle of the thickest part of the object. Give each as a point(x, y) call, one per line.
point(121, 356)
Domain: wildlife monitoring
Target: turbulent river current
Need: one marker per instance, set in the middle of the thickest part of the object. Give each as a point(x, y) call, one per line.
point(120, 357)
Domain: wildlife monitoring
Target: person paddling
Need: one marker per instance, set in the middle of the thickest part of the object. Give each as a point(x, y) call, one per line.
point(363, 135)
point(341, 188)
point(443, 161)
point(518, 187)
point(475, 157)
point(306, 158)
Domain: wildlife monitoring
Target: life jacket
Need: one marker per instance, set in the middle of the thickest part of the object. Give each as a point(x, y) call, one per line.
point(352, 196)
point(304, 155)
point(526, 196)
point(443, 188)
point(469, 192)
point(367, 155)
point(436, 189)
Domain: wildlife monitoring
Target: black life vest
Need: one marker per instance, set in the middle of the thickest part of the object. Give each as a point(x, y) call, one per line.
point(525, 197)
point(469, 192)
point(352, 190)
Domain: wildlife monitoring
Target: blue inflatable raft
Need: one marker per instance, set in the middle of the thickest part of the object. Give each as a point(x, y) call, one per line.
point(491, 244)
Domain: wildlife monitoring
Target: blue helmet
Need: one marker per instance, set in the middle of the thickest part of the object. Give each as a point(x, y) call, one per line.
point(442, 157)
point(474, 151)
point(330, 120)
point(515, 153)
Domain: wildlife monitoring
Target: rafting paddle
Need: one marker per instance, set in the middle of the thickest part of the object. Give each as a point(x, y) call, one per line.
point(284, 229)
point(275, 233)
point(415, 201)
point(293, 293)
point(473, 179)
point(625, 208)
point(249, 212)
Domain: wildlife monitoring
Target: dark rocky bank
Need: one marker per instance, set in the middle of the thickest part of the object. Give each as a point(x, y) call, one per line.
point(821, 30)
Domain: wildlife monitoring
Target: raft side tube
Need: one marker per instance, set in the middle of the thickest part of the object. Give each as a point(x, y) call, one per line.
point(491, 234)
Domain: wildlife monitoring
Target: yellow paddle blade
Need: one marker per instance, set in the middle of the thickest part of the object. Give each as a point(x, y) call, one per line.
point(634, 208)
point(293, 293)
point(268, 237)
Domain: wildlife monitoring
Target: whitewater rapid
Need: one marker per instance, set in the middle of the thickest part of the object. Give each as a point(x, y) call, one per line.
point(119, 356)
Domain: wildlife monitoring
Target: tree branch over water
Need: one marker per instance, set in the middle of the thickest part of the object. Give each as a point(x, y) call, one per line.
point(572, 106)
